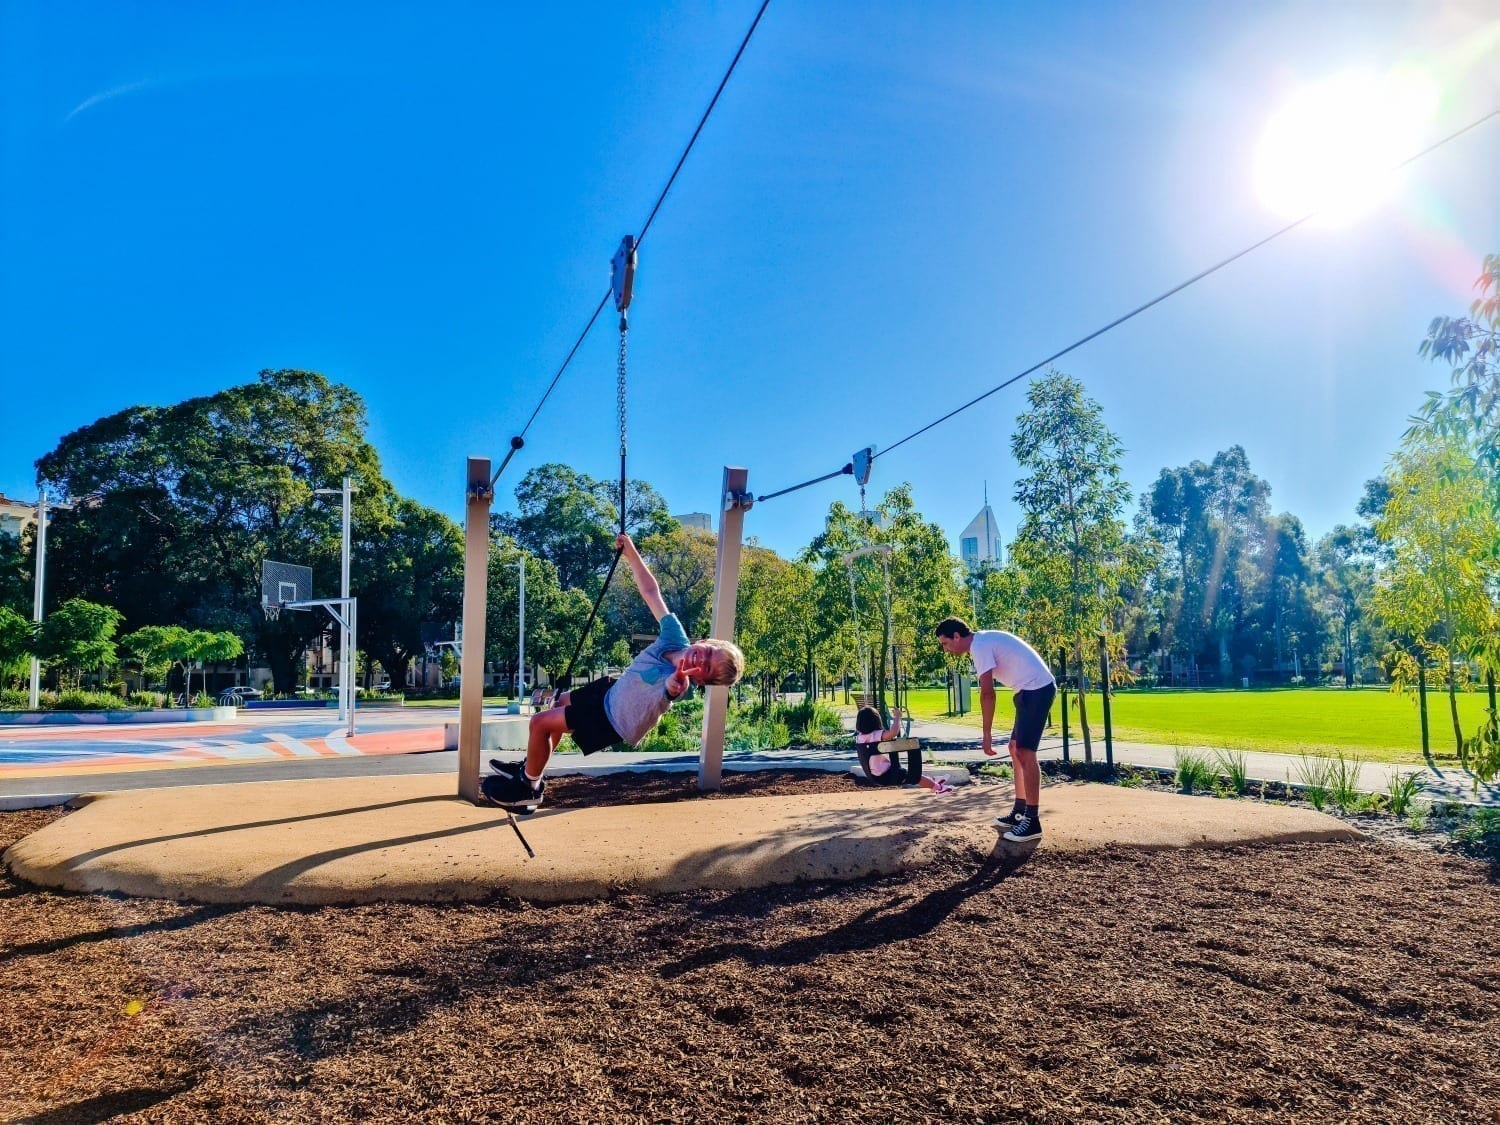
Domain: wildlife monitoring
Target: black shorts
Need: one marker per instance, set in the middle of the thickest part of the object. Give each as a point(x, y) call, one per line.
point(895, 775)
point(586, 718)
point(1032, 708)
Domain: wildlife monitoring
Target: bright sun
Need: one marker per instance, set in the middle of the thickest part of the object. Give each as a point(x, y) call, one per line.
point(1333, 146)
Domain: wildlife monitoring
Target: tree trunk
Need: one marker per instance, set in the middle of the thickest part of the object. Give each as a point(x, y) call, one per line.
point(1083, 715)
point(1458, 734)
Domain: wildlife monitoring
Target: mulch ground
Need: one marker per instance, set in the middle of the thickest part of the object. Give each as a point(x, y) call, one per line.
point(1338, 983)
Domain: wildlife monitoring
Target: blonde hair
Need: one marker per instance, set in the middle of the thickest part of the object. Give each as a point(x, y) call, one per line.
point(728, 662)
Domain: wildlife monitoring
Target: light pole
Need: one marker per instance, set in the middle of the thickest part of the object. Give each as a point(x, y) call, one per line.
point(348, 622)
point(521, 631)
point(36, 604)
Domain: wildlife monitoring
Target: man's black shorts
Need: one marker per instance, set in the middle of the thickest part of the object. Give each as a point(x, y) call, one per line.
point(1032, 709)
point(586, 719)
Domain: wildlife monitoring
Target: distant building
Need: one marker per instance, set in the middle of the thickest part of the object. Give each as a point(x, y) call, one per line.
point(980, 542)
point(15, 516)
point(698, 521)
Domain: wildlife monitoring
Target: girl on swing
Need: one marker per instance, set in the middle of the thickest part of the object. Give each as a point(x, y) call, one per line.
point(883, 769)
point(609, 710)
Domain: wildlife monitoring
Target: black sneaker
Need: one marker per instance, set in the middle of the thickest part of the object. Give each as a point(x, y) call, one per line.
point(1010, 818)
point(509, 788)
point(1027, 828)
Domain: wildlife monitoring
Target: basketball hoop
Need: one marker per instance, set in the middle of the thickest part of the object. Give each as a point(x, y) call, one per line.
point(273, 610)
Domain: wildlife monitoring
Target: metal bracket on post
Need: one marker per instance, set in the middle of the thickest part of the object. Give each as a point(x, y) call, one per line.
point(738, 500)
point(482, 490)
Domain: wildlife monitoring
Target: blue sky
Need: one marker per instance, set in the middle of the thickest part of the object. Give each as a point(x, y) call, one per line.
point(894, 208)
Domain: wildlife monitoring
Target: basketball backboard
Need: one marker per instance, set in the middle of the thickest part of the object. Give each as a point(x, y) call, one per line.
point(282, 583)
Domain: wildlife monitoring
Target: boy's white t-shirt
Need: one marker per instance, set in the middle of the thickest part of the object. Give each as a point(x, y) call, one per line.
point(1015, 663)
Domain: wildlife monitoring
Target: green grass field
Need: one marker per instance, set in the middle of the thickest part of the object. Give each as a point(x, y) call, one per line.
point(1379, 725)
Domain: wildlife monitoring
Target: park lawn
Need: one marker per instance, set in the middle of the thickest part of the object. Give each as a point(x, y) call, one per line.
point(1378, 724)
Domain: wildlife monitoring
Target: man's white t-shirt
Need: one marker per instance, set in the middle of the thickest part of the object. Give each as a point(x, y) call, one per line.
point(1015, 663)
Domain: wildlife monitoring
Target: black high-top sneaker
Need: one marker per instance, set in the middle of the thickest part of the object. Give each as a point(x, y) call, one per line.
point(1028, 827)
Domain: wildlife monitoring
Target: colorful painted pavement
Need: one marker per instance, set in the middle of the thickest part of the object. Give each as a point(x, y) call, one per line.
point(252, 738)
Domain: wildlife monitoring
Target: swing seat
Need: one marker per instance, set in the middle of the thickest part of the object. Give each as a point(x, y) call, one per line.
point(911, 747)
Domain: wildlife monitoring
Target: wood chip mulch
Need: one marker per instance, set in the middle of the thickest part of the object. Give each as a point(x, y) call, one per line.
point(1319, 983)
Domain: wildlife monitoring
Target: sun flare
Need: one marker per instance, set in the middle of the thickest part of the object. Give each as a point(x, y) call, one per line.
point(1333, 147)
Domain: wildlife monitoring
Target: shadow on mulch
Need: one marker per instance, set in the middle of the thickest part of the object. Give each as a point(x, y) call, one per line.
point(1246, 984)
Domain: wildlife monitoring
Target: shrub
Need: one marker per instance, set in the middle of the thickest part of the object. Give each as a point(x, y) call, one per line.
point(84, 701)
point(202, 700)
point(1232, 765)
point(14, 700)
point(1312, 775)
point(1193, 771)
point(1343, 780)
point(1402, 790)
point(1480, 833)
point(669, 736)
point(145, 700)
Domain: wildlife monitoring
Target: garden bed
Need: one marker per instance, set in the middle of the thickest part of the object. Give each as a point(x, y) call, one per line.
point(1305, 982)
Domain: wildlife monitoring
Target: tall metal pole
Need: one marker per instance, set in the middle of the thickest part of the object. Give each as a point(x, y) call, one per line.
point(346, 637)
point(36, 605)
point(521, 631)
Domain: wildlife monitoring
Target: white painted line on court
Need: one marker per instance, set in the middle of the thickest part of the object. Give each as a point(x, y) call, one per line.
point(339, 744)
point(296, 746)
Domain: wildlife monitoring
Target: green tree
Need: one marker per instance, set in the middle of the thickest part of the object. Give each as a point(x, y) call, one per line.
point(571, 520)
point(1470, 410)
point(15, 572)
point(924, 586)
point(774, 625)
point(77, 635)
point(1347, 561)
point(178, 506)
point(219, 648)
point(1438, 590)
point(1071, 547)
point(150, 648)
point(408, 575)
point(1212, 522)
point(554, 617)
point(17, 641)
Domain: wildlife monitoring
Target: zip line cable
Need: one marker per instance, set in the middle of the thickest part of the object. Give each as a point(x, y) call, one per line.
point(849, 468)
point(520, 439)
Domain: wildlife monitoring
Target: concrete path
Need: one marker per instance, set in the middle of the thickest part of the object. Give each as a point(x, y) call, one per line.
point(1444, 783)
point(410, 839)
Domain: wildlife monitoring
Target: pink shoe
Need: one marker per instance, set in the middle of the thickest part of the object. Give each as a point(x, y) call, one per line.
point(941, 786)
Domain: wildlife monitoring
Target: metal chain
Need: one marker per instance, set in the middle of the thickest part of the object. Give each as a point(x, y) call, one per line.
point(620, 383)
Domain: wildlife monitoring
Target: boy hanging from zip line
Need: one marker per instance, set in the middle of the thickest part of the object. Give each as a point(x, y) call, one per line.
point(609, 710)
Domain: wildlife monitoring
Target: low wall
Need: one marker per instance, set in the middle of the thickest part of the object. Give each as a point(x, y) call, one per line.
point(116, 718)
